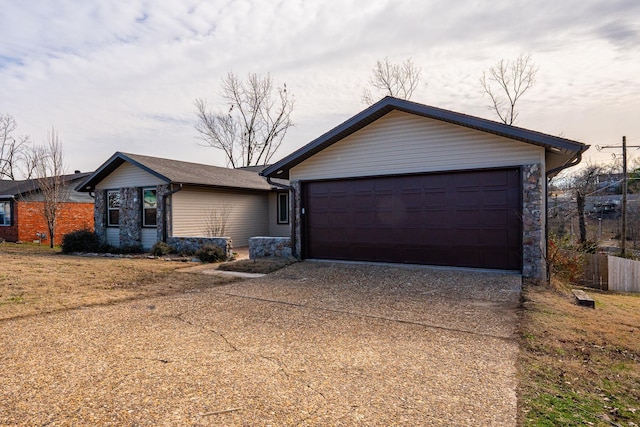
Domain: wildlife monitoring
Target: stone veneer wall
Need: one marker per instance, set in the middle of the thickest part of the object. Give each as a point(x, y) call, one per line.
point(265, 247)
point(192, 244)
point(297, 219)
point(130, 217)
point(100, 215)
point(163, 195)
point(533, 227)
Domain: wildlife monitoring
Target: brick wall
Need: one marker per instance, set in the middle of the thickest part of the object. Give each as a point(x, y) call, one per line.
point(72, 216)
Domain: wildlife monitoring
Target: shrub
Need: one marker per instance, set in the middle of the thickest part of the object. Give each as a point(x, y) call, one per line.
point(162, 248)
point(210, 253)
point(81, 241)
point(564, 260)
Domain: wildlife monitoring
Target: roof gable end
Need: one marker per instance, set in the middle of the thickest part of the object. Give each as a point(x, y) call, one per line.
point(179, 172)
point(108, 167)
point(381, 108)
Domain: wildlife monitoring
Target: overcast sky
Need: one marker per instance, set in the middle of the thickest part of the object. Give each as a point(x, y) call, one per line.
point(122, 75)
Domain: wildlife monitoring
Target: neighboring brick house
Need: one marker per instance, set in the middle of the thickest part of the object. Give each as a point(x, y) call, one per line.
point(21, 211)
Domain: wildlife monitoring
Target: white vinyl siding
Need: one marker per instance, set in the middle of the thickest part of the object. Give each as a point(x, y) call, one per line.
point(247, 213)
point(275, 229)
point(113, 236)
point(149, 237)
point(128, 175)
point(401, 143)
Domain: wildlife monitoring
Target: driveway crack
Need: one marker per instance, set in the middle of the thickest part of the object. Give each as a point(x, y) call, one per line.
point(180, 318)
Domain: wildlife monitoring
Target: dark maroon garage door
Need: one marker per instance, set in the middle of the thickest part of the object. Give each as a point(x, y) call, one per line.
point(465, 219)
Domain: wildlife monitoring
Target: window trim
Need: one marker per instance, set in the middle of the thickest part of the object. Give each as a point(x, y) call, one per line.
point(9, 204)
point(109, 209)
point(144, 217)
point(279, 211)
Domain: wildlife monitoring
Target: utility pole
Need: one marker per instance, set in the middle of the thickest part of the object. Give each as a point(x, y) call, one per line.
point(623, 231)
point(623, 244)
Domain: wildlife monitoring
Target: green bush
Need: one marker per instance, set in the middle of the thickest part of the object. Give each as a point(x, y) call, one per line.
point(210, 253)
point(81, 241)
point(162, 248)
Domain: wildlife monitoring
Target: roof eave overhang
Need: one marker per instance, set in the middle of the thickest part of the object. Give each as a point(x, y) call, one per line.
point(224, 187)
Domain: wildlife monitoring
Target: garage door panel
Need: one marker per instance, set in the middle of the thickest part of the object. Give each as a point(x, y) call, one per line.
point(435, 236)
point(467, 219)
point(435, 198)
point(495, 197)
point(468, 197)
point(437, 217)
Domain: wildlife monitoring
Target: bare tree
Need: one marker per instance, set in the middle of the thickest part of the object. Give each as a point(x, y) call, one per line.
point(584, 182)
point(252, 129)
point(13, 150)
point(506, 82)
point(398, 80)
point(49, 170)
point(215, 221)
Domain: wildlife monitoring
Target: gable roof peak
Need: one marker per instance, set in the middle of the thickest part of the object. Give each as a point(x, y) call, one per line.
point(178, 172)
point(389, 103)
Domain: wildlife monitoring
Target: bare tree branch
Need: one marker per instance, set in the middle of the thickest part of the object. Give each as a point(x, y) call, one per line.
point(506, 82)
point(398, 80)
point(13, 150)
point(253, 128)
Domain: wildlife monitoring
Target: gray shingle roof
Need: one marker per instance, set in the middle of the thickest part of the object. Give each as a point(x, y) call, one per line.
point(179, 172)
point(566, 147)
point(16, 188)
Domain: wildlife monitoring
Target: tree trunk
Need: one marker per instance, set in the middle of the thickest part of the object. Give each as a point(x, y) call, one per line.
point(581, 223)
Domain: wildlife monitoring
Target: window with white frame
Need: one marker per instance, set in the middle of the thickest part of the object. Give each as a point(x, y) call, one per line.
point(5, 213)
point(149, 207)
point(113, 208)
point(283, 208)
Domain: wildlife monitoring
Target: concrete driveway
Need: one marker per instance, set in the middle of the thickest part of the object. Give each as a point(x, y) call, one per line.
point(313, 344)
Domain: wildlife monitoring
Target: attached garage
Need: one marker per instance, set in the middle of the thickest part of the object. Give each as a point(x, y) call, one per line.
point(408, 183)
point(463, 219)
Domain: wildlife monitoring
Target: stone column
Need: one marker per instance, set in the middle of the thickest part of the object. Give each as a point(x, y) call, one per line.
point(296, 225)
point(533, 223)
point(100, 214)
point(163, 212)
point(130, 216)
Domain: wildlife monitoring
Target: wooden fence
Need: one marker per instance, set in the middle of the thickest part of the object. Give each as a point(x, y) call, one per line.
point(624, 274)
point(606, 272)
point(595, 269)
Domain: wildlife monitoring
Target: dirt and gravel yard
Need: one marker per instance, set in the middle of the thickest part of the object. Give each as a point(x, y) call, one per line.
point(311, 344)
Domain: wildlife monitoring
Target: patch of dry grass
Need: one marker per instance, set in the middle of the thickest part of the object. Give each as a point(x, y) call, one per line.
point(579, 366)
point(35, 279)
point(262, 265)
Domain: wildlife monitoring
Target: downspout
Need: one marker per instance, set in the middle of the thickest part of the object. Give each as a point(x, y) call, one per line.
point(291, 220)
point(164, 211)
point(577, 159)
